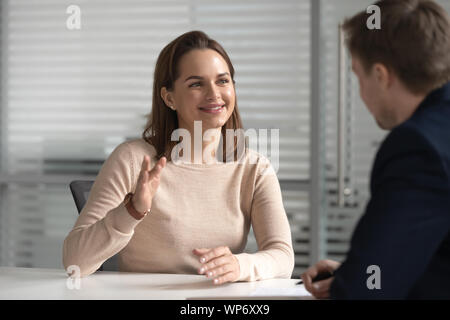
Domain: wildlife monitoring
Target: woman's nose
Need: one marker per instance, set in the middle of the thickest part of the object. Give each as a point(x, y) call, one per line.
point(213, 92)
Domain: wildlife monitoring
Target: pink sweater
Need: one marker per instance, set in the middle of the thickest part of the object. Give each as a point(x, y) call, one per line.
point(195, 206)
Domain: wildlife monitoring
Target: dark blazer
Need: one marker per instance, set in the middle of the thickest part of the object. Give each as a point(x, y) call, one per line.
point(405, 230)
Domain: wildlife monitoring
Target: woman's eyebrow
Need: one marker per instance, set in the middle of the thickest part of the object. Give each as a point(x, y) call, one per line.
point(201, 78)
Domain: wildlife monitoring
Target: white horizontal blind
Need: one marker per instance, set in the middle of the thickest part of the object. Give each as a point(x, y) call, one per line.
point(297, 208)
point(269, 45)
point(72, 96)
point(362, 134)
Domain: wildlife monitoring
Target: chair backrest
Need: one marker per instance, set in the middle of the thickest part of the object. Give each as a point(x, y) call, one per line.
point(80, 191)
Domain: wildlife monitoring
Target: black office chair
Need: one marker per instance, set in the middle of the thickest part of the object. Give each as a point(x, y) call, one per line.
point(80, 191)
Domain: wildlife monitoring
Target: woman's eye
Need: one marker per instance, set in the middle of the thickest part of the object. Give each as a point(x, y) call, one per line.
point(195, 84)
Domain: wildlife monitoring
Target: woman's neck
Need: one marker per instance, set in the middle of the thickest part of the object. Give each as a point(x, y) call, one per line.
point(203, 146)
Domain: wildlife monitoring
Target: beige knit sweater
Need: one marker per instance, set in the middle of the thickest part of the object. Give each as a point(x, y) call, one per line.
point(195, 206)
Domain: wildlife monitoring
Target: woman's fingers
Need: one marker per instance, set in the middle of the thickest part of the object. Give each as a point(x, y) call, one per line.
point(200, 252)
point(148, 182)
point(147, 174)
point(212, 264)
point(216, 252)
point(220, 268)
point(158, 168)
point(141, 178)
point(218, 262)
point(228, 277)
point(155, 172)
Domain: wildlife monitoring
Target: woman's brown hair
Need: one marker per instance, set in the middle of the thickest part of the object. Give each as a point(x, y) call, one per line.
point(162, 121)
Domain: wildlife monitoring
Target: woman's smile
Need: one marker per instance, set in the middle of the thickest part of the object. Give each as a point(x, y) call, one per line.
point(213, 108)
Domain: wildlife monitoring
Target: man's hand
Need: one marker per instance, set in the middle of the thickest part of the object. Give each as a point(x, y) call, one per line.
point(319, 289)
point(218, 263)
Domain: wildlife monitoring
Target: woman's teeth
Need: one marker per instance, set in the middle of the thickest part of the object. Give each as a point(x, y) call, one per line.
point(216, 108)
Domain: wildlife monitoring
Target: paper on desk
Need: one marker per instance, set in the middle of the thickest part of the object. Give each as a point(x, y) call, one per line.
point(298, 291)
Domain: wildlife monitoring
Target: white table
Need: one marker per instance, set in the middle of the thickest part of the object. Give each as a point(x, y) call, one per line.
point(54, 284)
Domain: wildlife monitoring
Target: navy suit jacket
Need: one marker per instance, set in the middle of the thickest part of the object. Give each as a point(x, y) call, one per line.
point(405, 230)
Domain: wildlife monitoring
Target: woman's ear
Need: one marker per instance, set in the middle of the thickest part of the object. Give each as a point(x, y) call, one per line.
point(166, 95)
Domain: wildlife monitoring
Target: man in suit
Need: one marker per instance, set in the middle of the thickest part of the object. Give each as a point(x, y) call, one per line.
point(400, 248)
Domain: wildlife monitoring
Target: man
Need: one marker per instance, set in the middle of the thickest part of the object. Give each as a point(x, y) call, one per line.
point(404, 236)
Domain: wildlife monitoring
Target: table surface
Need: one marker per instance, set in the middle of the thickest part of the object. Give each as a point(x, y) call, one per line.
point(54, 284)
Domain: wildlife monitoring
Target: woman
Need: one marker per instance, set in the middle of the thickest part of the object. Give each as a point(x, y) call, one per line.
point(167, 216)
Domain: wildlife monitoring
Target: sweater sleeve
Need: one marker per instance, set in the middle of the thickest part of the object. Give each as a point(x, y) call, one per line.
point(275, 256)
point(104, 226)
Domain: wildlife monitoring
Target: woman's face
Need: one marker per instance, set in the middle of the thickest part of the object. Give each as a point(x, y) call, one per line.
point(203, 85)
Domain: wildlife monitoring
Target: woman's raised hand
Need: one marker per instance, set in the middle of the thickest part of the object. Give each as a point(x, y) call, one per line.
point(148, 183)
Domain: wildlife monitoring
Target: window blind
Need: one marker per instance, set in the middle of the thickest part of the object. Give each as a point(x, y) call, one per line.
point(362, 136)
point(69, 97)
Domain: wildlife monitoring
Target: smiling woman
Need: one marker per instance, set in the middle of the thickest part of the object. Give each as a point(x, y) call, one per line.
point(195, 79)
point(169, 217)
point(208, 98)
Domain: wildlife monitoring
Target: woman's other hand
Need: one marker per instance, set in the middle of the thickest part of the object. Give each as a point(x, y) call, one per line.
point(218, 263)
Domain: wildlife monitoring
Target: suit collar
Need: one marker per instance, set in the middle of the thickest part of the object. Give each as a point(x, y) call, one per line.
point(440, 94)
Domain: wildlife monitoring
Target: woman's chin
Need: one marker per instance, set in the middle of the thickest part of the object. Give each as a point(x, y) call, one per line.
point(213, 124)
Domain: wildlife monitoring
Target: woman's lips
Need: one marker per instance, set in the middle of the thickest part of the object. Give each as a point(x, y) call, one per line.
point(216, 109)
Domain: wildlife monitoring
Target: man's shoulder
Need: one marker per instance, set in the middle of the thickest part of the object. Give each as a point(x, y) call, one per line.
point(428, 130)
point(432, 122)
point(414, 152)
point(401, 141)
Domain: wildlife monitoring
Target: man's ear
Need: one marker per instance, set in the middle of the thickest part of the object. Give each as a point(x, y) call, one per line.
point(383, 75)
point(166, 95)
